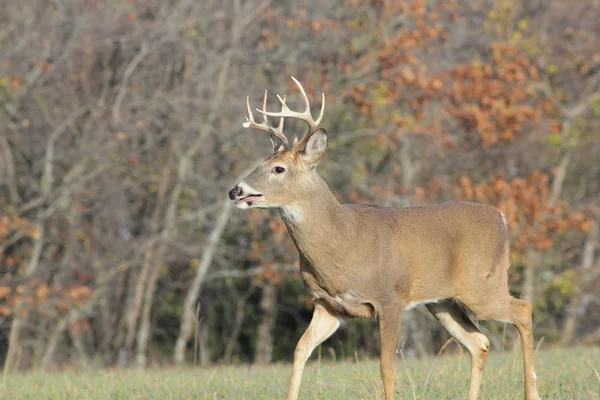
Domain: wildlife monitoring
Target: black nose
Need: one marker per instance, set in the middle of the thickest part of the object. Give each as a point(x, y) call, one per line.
point(235, 192)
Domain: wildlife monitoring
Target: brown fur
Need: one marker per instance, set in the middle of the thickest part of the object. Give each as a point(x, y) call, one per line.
point(413, 254)
point(373, 262)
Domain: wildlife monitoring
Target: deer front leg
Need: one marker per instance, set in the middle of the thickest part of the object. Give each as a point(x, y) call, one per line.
point(389, 327)
point(322, 325)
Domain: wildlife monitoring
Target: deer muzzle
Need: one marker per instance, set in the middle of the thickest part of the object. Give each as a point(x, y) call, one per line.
point(235, 192)
point(243, 197)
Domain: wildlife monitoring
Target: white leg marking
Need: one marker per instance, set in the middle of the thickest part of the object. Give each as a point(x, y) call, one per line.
point(413, 304)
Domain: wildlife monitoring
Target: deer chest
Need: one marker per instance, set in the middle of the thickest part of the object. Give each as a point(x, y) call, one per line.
point(342, 300)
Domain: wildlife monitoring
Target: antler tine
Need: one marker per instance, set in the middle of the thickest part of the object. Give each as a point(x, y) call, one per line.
point(305, 115)
point(307, 104)
point(304, 96)
point(265, 108)
point(264, 126)
point(318, 121)
point(249, 117)
point(283, 105)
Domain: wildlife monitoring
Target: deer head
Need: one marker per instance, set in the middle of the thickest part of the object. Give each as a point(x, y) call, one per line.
point(286, 174)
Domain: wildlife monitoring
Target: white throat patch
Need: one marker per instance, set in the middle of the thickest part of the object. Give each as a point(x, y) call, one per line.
point(291, 214)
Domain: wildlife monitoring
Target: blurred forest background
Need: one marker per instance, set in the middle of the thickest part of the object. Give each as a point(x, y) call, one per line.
point(120, 134)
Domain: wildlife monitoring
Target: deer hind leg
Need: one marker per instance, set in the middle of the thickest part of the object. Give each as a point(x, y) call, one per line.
point(520, 317)
point(322, 325)
point(506, 308)
point(389, 328)
point(456, 321)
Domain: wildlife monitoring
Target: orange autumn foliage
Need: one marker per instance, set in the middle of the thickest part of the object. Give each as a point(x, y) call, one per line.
point(533, 219)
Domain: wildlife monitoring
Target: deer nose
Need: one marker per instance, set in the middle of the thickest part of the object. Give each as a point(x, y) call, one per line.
point(235, 192)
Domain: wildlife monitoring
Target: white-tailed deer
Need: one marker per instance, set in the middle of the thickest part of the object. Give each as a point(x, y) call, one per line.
point(373, 262)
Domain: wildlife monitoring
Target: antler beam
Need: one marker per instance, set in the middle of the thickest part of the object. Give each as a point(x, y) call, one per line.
point(305, 115)
point(265, 126)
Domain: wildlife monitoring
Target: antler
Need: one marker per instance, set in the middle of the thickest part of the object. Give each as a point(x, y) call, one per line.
point(264, 126)
point(305, 116)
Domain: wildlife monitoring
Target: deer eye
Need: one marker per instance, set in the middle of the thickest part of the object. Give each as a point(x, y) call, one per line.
point(278, 170)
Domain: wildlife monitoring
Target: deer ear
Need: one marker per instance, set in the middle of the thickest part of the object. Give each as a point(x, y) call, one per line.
point(315, 148)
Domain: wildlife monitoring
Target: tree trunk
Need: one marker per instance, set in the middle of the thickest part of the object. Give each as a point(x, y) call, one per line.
point(264, 335)
point(420, 336)
point(7, 161)
point(203, 348)
point(570, 325)
point(532, 261)
point(154, 260)
point(76, 333)
point(187, 322)
point(21, 309)
point(237, 326)
point(135, 307)
point(240, 21)
point(74, 315)
point(592, 338)
point(13, 340)
point(574, 308)
point(55, 336)
point(144, 332)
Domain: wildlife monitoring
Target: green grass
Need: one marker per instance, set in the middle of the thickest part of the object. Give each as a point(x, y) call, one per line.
point(562, 374)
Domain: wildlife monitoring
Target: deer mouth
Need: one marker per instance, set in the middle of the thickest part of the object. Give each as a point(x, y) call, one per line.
point(248, 199)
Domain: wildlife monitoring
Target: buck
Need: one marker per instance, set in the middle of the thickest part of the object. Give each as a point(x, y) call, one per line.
point(374, 262)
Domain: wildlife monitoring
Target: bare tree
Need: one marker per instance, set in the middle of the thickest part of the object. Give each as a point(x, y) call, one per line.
point(264, 333)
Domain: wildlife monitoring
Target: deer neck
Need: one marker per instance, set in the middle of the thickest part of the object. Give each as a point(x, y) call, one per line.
point(316, 221)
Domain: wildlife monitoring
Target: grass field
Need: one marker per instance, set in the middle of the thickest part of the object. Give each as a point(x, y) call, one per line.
point(562, 374)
